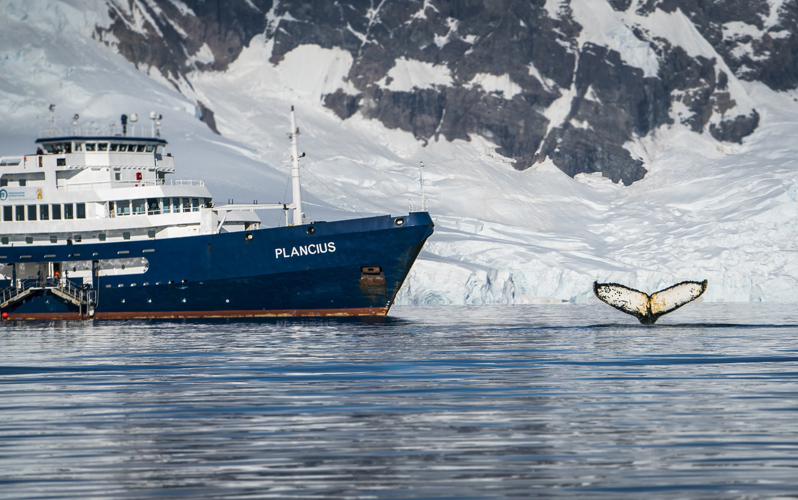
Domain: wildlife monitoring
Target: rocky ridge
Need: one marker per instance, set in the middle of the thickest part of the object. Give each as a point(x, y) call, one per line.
point(559, 79)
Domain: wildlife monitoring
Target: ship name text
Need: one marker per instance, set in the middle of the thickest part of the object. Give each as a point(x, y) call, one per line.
point(312, 249)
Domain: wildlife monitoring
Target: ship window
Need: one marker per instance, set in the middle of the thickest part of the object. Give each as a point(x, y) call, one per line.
point(8, 213)
point(53, 239)
point(78, 238)
point(151, 233)
point(20, 212)
point(123, 207)
point(89, 146)
point(176, 205)
point(139, 207)
point(60, 162)
point(31, 212)
point(4, 240)
point(48, 148)
point(69, 212)
point(117, 176)
point(3, 182)
point(23, 182)
point(126, 235)
point(80, 208)
point(101, 237)
point(152, 206)
point(44, 212)
point(194, 204)
point(140, 148)
point(122, 148)
point(186, 205)
point(149, 148)
point(56, 212)
point(78, 146)
point(103, 146)
point(166, 207)
point(29, 240)
point(114, 147)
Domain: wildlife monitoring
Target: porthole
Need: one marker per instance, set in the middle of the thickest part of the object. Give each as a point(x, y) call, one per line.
point(249, 237)
point(400, 221)
point(311, 230)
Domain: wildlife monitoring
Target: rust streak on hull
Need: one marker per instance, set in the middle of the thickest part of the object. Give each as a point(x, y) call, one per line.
point(284, 313)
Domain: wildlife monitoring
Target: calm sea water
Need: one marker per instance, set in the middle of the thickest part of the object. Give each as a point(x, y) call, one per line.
point(556, 401)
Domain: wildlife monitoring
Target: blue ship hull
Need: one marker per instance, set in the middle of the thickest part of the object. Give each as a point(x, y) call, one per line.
point(351, 267)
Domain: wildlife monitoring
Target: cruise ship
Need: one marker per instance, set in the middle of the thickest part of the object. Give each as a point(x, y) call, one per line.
point(93, 226)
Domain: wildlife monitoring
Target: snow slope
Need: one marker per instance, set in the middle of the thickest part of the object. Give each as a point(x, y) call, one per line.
point(705, 210)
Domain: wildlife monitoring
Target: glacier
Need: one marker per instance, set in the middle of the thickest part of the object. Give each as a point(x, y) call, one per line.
point(723, 212)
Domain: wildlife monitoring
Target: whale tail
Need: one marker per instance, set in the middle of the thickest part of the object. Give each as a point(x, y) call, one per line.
point(648, 308)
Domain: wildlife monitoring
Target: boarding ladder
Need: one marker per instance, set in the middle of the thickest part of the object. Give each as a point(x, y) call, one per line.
point(84, 298)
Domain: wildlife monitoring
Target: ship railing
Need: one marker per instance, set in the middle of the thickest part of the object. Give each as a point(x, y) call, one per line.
point(186, 182)
point(10, 161)
point(91, 186)
point(63, 287)
point(91, 129)
point(10, 294)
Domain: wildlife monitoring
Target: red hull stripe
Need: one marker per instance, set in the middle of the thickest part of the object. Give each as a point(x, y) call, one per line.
point(280, 313)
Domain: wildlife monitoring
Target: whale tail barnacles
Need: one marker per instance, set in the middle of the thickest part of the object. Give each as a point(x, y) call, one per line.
point(648, 308)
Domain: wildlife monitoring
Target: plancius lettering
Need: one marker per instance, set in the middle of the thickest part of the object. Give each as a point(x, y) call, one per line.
point(312, 249)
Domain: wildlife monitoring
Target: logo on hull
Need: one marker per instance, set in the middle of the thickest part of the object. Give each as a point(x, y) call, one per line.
point(312, 249)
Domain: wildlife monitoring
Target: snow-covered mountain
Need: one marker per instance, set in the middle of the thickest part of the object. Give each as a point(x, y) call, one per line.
point(562, 142)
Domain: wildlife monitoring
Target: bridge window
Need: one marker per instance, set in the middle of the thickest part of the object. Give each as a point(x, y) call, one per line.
point(123, 207)
point(122, 148)
point(56, 210)
point(140, 148)
point(149, 148)
point(103, 146)
point(89, 146)
point(80, 208)
point(44, 212)
point(114, 147)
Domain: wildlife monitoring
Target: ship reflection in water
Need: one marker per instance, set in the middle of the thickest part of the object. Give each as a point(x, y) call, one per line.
point(564, 401)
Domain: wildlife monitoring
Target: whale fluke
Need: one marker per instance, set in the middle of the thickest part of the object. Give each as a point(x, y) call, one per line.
point(648, 308)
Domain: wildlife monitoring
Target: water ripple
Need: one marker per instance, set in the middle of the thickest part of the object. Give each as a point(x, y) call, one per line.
point(557, 401)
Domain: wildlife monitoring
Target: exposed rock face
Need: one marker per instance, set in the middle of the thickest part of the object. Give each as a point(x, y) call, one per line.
point(516, 72)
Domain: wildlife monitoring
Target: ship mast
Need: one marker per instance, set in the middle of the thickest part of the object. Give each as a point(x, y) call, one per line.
point(296, 195)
